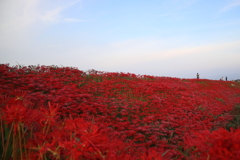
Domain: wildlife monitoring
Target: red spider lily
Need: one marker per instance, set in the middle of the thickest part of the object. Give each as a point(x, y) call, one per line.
point(145, 111)
point(50, 113)
point(4, 100)
point(219, 144)
point(156, 154)
point(18, 114)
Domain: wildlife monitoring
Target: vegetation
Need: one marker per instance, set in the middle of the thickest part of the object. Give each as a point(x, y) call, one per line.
point(58, 113)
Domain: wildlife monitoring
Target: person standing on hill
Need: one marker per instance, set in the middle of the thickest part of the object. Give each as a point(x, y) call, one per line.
point(226, 78)
point(197, 76)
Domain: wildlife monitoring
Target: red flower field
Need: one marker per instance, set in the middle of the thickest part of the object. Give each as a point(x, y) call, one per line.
point(62, 113)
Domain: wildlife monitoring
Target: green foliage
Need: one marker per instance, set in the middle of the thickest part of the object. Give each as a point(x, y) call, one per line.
point(235, 123)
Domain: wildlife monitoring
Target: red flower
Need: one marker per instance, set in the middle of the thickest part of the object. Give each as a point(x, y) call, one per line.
point(51, 113)
point(219, 144)
point(18, 114)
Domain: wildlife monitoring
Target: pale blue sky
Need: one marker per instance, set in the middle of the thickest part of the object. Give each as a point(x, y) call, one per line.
point(175, 38)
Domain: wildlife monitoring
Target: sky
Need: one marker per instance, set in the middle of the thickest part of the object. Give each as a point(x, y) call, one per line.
point(170, 38)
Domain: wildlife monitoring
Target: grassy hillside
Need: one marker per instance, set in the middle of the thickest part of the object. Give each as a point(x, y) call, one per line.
point(50, 112)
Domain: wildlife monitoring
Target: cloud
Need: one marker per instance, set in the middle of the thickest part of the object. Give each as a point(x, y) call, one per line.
point(214, 48)
point(54, 14)
point(230, 6)
point(135, 53)
point(15, 15)
point(73, 20)
point(51, 15)
point(21, 19)
point(16, 21)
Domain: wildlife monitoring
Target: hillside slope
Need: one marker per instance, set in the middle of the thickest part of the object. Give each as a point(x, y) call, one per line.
point(153, 116)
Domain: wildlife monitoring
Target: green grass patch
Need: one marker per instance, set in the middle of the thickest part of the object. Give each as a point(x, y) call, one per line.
point(235, 123)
